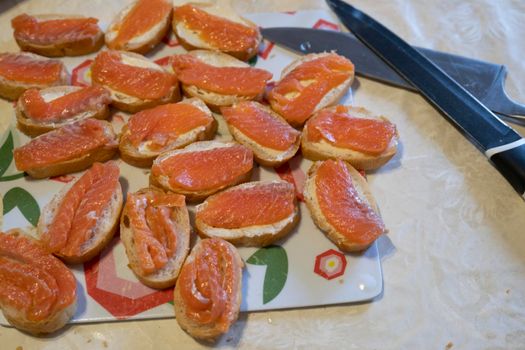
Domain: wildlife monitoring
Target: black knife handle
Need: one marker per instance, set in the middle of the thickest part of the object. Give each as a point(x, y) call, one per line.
point(510, 162)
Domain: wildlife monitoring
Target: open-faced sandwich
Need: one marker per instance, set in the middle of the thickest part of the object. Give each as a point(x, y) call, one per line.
point(81, 219)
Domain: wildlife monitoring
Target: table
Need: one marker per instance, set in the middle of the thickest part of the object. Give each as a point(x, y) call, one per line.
point(453, 262)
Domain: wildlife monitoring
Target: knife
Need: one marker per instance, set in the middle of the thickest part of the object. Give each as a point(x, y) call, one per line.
point(503, 146)
point(484, 80)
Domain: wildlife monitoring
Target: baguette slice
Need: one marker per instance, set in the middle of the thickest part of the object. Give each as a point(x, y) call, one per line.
point(216, 100)
point(49, 279)
point(100, 207)
point(261, 129)
point(219, 263)
point(132, 229)
point(287, 100)
point(346, 211)
point(94, 107)
point(69, 149)
point(24, 70)
point(321, 148)
point(252, 214)
point(143, 154)
point(125, 101)
point(40, 34)
point(202, 168)
point(157, 17)
point(224, 30)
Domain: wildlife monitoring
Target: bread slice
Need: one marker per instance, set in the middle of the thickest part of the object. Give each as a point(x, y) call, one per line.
point(252, 236)
point(66, 46)
point(329, 99)
point(133, 104)
point(216, 100)
point(142, 156)
point(321, 150)
point(34, 128)
point(340, 240)
point(167, 275)
point(84, 161)
point(191, 40)
point(58, 318)
point(212, 330)
point(12, 89)
point(162, 181)
point(264, 155)
point(142, 43)
point(102, 233)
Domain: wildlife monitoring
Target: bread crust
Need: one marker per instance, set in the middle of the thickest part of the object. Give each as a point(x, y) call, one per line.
point(342, 242)
point(33, 129)
point(324, 150)
point(100, 239)
point(77, 47)
point(266, 235)
point(209, 332)
point(142, 46)
point(263, 155)
point(132, 155)
point(11, 89)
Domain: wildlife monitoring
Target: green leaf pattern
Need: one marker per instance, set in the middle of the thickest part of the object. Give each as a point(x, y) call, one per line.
point(28, 206)
point(6, 157)
point(276, 261)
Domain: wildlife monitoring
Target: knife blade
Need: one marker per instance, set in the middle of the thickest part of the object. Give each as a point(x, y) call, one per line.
point(484, 80)
point(503, 146)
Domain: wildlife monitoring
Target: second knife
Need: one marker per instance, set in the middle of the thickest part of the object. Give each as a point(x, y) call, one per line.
point(484, 80)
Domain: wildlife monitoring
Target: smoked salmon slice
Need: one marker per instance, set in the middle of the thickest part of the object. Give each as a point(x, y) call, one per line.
point(208, 291)
point(345, 204)
point(76, 216)
point(299, 93)
point(53, 31)
point(240, 81)
point(341, 129)
point(90, 138)
point(163, 125)
point(23, 70)
point(260, 125)
point(216, 32)
point(114, 70)
point(251, 204)
point(138, 20)
point(91, 98)
point(35, 286)
point(152, 217)
point(203, 167)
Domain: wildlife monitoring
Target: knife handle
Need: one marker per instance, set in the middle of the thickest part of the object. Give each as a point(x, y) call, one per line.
point(509, 159)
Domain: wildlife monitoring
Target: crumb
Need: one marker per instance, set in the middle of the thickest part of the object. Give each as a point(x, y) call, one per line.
point(341, 281)
point(449, 345)
point(105, 344)
point(19, 347)
point(229, 340)
point(89, 340)
point(507, 291)
point(270, 321)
